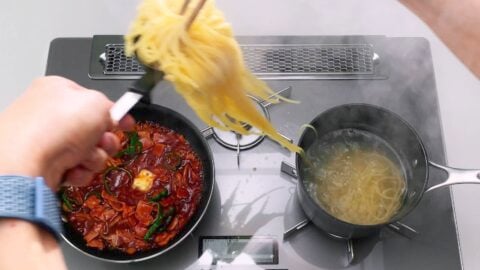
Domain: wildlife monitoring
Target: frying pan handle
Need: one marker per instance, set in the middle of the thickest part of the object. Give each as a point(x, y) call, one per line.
point(456, 176)
point(146, 84)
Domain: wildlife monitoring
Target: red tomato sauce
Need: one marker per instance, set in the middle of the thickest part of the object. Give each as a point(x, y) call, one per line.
point(110, 213)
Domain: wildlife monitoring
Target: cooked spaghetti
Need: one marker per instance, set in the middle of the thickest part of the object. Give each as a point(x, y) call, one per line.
point(359, 186)
point(205, 64)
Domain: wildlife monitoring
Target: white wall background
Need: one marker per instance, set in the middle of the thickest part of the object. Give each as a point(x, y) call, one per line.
point(27, 27)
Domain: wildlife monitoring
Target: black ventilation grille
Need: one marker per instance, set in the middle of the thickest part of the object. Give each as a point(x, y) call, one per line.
point(273, 60)
point(116, 63)
point(309, 59)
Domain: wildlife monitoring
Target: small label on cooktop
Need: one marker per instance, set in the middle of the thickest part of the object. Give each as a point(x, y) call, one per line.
point(238, 249)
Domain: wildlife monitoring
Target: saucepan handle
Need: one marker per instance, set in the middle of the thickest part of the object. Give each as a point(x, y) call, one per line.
point(289, 169)
point(456, 176)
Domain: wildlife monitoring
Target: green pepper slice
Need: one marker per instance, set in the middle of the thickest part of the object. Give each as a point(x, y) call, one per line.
point(156, 223)
point(162, 194)
point(109, 170)
point(134, 145)
point(160, 224)
point(66, 201)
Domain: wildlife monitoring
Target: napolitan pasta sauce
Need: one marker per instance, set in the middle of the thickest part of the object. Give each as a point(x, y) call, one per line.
point(144, 198)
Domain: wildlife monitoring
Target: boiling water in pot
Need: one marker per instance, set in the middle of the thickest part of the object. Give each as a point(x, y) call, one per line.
point(355, 176)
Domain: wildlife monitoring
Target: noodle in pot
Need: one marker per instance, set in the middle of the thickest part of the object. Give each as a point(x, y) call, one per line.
point(354, 183)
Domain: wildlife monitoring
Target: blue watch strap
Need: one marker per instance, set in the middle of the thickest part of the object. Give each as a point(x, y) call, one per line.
point(30, 199)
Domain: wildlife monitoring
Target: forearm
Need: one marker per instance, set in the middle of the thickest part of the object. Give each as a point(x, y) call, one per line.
point(26, 246)
point(456, 23)
point(67, 155)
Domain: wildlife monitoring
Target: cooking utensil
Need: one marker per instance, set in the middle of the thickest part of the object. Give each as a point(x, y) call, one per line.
point(180, 124)
point(195, 12)
point(140, 88)
point(400, 137)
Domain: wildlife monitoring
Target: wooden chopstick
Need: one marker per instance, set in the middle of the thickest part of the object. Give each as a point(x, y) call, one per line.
point(184, 7)
point(194, 13)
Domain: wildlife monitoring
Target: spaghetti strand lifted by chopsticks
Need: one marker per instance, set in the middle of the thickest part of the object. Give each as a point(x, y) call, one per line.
point(200, 56)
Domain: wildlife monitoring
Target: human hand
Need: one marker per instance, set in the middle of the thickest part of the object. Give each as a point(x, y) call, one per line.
point(58, 129)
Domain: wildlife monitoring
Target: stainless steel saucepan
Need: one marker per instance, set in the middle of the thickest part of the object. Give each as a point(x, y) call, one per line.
point(399, 138)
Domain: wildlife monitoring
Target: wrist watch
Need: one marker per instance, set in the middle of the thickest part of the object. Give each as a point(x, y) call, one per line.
point(30, 199)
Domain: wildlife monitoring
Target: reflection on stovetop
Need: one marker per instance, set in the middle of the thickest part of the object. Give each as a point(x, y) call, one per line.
point(319, 248)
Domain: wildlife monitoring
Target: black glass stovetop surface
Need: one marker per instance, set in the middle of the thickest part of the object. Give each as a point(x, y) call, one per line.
point(256, 199)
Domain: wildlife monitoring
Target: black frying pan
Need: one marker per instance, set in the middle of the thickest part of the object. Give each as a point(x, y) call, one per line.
point(182, 125)
point(397, 139)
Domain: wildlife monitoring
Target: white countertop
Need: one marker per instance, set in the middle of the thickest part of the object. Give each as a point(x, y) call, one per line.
point(27, 27)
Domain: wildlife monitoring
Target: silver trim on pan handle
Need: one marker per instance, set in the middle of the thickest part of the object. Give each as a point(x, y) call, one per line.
point(456, 176)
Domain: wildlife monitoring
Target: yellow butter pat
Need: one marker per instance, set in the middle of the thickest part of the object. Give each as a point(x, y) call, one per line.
point(144, 180)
